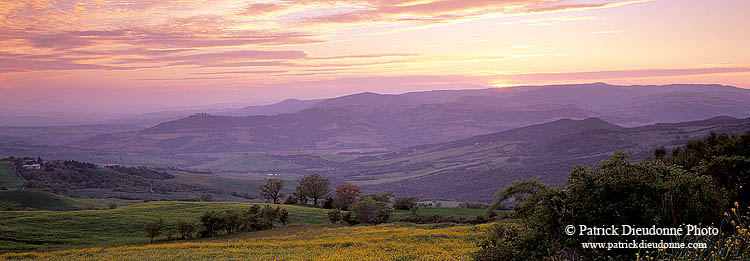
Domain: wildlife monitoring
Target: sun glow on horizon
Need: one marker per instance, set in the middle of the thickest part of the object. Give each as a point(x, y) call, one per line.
point(252, 51)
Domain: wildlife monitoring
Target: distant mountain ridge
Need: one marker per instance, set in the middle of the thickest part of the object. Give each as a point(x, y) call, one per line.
point(475, 167)
point(370, 121)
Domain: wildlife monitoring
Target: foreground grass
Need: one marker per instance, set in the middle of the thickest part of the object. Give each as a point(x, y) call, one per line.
point(52, 230)
point(319, 242)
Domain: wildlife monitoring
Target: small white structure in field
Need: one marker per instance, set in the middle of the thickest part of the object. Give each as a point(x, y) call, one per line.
point(32, 166)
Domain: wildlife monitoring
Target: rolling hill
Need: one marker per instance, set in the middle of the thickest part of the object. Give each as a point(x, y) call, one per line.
point(474, 168)
point(370, 121)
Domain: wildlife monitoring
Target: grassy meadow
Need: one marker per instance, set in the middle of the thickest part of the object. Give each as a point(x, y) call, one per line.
point(38, 200)
point(8, 177)
point(51, 230)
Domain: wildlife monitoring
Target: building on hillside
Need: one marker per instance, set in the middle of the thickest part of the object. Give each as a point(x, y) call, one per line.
point(111, 166)
point(32, 166)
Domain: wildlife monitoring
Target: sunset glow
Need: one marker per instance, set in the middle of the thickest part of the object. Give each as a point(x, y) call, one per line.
point(114, 55)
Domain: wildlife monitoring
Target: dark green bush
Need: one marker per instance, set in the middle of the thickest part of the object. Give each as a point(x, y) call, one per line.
point(404, 203)
point(349, 218)
point(369, 211)
point(334, 216)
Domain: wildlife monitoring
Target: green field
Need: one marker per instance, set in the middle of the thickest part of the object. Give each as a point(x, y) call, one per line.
point(49, 230)
point(8, 177)
point(246, 162)
point(456, 212)
point(38, 200)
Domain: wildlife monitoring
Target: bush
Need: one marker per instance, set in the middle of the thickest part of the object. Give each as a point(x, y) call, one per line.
point(328, 203)
point(404, 203)
point(640, 194)
point(284, 217)
point(436, 219)
point(472, 205)
point(349, 218)
point(154, 228)
point(186, 229)
point(290, 200)
point(112, 205)
point(370, 211)
point(334, 216)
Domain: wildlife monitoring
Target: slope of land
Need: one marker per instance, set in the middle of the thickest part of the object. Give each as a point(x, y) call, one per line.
point(38, 200)
point(475, 167)
point(8, 177)
point(43, 230)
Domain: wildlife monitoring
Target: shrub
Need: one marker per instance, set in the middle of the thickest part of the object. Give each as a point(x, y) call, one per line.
point(284, 217)
point(436, 219)
point(154, 228)
point(328, 203)
point(640, 194)
point(290, 200)
point(349, 218)
point(112, 205)
point(404, 203)
point(472, 205)
point(334, 216)
point(370, 211)
point(186, 229)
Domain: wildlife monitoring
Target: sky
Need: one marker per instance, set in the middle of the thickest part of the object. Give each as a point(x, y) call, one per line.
point(117, 57)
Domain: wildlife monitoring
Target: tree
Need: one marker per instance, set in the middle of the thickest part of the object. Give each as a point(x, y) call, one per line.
point(370, 211)
point(207, 197)
point(211, 222)
point(186, 229)
point(272, 190)
point(154, 228)
point(346, 195)
point(230, 221)
point(314, 187)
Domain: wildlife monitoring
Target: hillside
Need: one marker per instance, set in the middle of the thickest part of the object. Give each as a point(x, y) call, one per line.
point(38, 200)
point(39, 230)
point(474, 168)
point(371, 122)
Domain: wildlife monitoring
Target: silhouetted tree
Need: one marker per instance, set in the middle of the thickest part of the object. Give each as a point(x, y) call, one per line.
point(314, 187)
point(272, 190)
point(154, 228)
point(346, 195)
